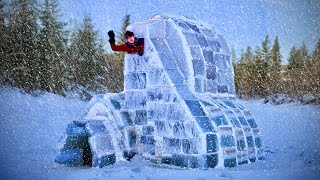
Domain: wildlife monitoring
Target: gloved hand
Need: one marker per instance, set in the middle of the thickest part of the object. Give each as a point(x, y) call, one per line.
point(111, 34)
point(140, 53)
point(111, 37)
point(111, 41)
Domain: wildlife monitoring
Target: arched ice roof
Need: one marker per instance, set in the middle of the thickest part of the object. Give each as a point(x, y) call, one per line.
point(199, 53)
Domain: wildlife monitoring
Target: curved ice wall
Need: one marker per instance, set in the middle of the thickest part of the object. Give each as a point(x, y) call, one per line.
point(178, 105)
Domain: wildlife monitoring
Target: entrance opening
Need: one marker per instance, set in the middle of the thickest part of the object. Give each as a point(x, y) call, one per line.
point(87, 155)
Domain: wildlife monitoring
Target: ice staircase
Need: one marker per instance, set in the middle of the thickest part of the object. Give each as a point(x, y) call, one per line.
point(178, 106)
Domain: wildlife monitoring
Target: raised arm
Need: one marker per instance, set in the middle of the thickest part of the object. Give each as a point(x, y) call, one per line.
point(113, 45)
point(121, 47)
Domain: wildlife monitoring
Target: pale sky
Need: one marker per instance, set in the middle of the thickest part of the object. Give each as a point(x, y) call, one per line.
point(242, 23)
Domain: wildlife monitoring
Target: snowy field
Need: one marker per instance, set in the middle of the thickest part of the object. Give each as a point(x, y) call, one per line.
point(30, 128)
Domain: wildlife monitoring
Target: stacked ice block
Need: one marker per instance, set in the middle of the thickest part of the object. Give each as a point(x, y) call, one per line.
point(178, 106)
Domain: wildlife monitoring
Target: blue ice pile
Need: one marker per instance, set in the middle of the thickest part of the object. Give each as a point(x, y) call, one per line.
point(178, 106)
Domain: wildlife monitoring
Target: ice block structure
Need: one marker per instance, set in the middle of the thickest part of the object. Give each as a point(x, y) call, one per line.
point(178, 106)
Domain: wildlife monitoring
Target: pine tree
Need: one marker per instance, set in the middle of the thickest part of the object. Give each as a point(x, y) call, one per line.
point(291, 72)
point(304, 55)
point(239, 80)
point(4, 42)
point(275, 69)
point(291, 59)
point(296, 59)
point(314, 72)
point(248, 71)
point(126, 23)
point(23, 38)
point(315, 58)
point(2, 15)
point(233, 56)
point(114, 74)
point(265, 51)
point(243, 74)
point(235, 70)
point(276, 56)
point(298, 72)
point(87, 53)
point(52, 47)
point(72, 58)
point(305, 70)
point(259, 74)
point(84, 56)
point(266, 60)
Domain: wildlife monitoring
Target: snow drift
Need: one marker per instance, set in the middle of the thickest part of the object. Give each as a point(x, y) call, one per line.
point(31, 126)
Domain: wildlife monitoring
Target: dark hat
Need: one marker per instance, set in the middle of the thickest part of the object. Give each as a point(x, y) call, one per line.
point(129, 34)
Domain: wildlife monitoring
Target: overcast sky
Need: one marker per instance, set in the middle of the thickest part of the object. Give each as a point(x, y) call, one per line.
point(242, 23)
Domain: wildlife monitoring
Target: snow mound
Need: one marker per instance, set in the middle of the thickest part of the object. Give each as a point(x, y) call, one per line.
point(278, 99)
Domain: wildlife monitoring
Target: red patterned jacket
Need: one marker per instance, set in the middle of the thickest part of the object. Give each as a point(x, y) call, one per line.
point(131, 48)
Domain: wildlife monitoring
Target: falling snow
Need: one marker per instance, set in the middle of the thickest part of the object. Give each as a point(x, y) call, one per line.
point(31, 126)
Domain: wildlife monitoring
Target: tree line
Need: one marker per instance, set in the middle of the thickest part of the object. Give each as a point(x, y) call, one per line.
point(37, 52)
point(260, 73)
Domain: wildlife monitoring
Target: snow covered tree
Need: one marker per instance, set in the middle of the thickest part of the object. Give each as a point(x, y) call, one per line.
point(260, 74)
point(315, 72)
point(84, 55)
point(247, 71)
point(265, 52)
point(304, 55)
point(275, 68)
point(2, 15)
point(114, 72)
point(251, 73)
point(23, 38)
point(233, 56)
point(246, 75)
point(115, 63)
point(4, 43)
point(52, 46)
point(266, 61)
point(293, 65)
point(235, 68)
point(315, 58)
point(126, 23)
point(258, 82)
point(296, 59)
point(298, 72)
point(305, 70)
point(72, 57)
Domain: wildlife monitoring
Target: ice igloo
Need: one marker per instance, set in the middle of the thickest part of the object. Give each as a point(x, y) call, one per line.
point(178, 106)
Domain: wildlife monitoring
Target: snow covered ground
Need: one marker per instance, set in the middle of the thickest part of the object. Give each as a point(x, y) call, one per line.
point(30, 128)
